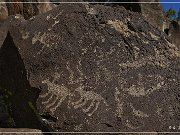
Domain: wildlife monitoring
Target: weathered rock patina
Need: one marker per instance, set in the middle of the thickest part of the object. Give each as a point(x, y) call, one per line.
point(174, 33)
point(3, 11)
point(152, 10)
point(26, 8)
point(99, 68)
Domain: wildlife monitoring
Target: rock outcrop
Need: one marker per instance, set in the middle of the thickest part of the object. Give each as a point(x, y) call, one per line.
point(28, 10)
point(174, 33)
point(99, 68)
point(152, 12)
point(18, 95)
point(3, 11)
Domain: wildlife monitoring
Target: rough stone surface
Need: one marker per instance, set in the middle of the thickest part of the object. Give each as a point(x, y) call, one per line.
point(29, 10)
point(3, 33)
point(99, 68)
point(18, 95)
point(152, 12)
point(3, 11)
point(174, 33)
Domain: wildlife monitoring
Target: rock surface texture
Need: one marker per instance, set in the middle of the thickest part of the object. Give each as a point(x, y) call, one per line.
point(174, 33)
point(99, 68)
point(151, 11)
point(154, 13)
point(28, 9)
point(3, 11)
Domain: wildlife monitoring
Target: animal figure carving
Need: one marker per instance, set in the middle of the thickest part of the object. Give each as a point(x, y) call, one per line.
point(60, 93)
point(85, 96)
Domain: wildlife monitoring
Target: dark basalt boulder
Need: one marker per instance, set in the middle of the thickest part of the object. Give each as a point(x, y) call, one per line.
point(174, 33)
point(99, 68)
point(18, 97)
point(152, 12)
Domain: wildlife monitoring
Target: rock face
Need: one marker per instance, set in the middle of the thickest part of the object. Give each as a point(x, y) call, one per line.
point(174, 33)
point(18, 95)
point(3, 11)
point(99, 68)
point(3, 33)
point(152, 12)
point(29, 10)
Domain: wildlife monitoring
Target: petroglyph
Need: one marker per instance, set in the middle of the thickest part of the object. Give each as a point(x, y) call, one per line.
point(90, 10)
point(78, 127)
point(24, 34)
point(138, 112)
point(119, 100)
point(158, 60)
point(47, 40)
point(50, 16)
point(60, 93)
point(154, 36)
point(136, 91)
point(171, 111)
point(72, 80)
point(119, 26)
point(56, 22)
point(140, 90)
point(79, 69)
point(136, 52)
point(131, 126)
point(85, 96)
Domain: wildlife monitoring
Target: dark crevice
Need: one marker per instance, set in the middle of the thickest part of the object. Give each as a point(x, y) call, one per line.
point(48, 118)
point(20, 96)
point(131, 27)
point(128, 47)
point(166, 31)
point(108, 125)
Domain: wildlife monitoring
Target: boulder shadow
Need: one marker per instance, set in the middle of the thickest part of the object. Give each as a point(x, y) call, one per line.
point(20, 97)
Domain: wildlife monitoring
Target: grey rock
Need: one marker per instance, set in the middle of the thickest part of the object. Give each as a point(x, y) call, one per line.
point(152, 12)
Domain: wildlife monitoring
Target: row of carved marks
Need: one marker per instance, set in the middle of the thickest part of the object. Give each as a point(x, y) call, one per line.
point(48, 40)
point(60, 92)
point(136, 91)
